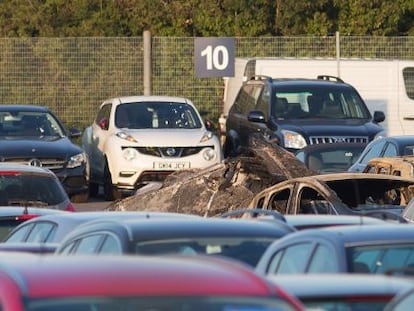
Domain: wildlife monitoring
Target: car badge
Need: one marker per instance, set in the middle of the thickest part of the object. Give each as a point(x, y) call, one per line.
point(171, 151)
point(35, 162)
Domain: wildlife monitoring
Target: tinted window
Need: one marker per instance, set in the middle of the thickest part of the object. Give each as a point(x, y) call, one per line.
point(295, 258)
point(324, 102)
point(31, 190)
point(408, 75)
point(88, 245)
point(30, 124)
point(156, 115)
point(381, 258)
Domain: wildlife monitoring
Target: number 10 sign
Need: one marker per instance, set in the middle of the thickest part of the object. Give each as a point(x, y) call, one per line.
point(214, 57)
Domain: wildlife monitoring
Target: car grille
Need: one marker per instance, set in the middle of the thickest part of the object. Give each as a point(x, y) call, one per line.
point(314, 140)
point(50, 163)
point(170, 152)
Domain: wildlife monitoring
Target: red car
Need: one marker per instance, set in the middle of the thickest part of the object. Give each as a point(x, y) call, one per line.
point(32, 283)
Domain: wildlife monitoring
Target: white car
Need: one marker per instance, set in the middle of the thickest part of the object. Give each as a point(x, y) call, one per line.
point(137, 140)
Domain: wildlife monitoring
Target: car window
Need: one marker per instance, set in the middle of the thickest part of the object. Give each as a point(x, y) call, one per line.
point(245, 102)
point(42, 232)
point(264, 101)
point(323, 260)
point(384, 257)
point(390, 150)
point(20, 233)
point(408, 150)
point(373, 152)
point(24, 123)
point(104, 114)
point(110, 245)
point(295, 258)
point(31, 189)
point(89, 244)
point(279, 200)
point(311, 201)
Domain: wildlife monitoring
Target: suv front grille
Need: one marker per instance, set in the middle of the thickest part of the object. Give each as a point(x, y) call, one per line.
point(170, 152)
point(314, 140)
point(49, 163)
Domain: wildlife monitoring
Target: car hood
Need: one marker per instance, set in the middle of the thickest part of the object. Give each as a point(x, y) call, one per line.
point(59, 147)
point(169, 137)
point(332, 127)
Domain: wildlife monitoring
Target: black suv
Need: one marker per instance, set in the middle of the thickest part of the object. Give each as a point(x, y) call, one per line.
point(298, 112)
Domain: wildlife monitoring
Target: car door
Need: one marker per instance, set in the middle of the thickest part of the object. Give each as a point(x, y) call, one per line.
point(100, 132)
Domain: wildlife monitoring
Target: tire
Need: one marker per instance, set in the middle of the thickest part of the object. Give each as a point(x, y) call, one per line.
point(80, 197)
point(228, 149)
point(111, 193)
point(93, 190)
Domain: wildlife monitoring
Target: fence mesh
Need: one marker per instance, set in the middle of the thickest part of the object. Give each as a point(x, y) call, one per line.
point(72, 76)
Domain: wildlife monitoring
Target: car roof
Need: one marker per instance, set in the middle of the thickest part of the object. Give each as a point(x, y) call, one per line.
point(358, 235)
point(162, 228)
point(150, 98)
point(304, 221)
point(343, 284)
point(25, 108)
point(69, 220)
point(53, 276)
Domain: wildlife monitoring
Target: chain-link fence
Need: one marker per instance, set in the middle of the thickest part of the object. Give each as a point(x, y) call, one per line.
point(73, 76)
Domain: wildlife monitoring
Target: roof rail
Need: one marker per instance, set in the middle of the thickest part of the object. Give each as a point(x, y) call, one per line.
point(261, 77)
point(329, 78)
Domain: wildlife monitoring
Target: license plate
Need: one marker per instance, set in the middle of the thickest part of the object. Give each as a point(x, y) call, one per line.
point(171, 165)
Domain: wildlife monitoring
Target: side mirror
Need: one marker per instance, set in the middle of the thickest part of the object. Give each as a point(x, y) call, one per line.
point(379, 116)
point(73, 132)
point(256, 116)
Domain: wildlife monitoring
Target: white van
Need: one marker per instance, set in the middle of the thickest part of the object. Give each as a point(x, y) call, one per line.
point(385, 85)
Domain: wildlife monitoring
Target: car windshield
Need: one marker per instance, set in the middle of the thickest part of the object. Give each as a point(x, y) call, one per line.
point(247, 250)
point(22, 123)
point(29, 189)
point(381, 258)
point(153, 115)
point(159, 304)
point(315, 102)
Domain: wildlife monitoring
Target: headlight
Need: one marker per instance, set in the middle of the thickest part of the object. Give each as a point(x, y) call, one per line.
point(381, 134)
point(209, 154)
point(76, 160)
point(293, 140)
point(129, 154)
point(206, 136)
point(126, 136)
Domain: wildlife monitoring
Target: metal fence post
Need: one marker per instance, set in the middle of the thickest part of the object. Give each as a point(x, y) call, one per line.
point(147, 74)
point(338, 55)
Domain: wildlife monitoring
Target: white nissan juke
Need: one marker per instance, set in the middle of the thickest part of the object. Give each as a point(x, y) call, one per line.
point(137, 140)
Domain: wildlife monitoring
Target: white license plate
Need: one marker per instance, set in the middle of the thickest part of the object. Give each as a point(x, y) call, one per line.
point(171, 165)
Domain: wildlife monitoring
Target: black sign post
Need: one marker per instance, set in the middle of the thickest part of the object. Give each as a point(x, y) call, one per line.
point(214, 57)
